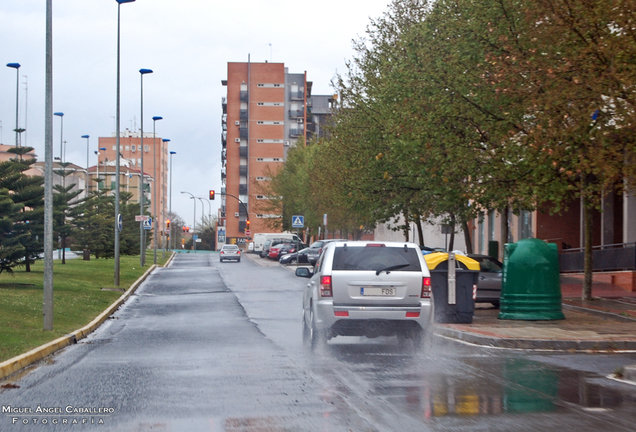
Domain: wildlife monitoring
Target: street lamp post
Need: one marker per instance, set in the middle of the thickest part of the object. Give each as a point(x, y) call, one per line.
point(142, 236)
point(194, 220)
point(87, 153)
point(61, 116)
point(163, 200)
point(101, 149)
point(16, 66)
point(209, 209)
point(117, 119)
point(47, 306)
point(154, 175)
point(171, 244)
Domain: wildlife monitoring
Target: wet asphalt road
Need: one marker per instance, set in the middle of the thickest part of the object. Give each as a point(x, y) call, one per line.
point(204, 346)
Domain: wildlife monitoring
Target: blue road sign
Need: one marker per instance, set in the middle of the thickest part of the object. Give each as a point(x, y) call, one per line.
point(148, 224)
point(298, 221)
point(195, 237)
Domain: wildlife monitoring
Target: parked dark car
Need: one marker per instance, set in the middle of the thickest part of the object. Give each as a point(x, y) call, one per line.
point(317, 247)
point(299, 257)
point(277, 251)
point(489, 284)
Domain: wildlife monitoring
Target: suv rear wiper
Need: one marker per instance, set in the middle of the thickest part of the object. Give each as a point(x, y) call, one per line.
point(388, 269)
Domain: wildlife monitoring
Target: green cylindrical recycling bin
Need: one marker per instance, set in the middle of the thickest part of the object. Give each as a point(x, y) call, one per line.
point(462, 311)
point(531, 288)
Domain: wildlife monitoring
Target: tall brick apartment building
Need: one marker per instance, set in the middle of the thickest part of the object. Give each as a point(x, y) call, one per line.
point(267, 109)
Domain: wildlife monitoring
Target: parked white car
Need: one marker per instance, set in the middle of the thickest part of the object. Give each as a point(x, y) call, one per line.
point(366, 289)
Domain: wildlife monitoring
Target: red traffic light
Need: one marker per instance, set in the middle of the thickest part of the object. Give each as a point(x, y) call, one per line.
point(168, 223)
point(211, 194)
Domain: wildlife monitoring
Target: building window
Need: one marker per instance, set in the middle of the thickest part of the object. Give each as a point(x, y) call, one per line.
point(146, 149)
point(263, 178)
point(133, 148)
point(127, 148)
point(261, 197)
point(114, 148)
point(139, 161)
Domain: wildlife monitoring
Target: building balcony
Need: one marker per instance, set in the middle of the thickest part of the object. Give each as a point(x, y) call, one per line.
point(243, 115)
point(296, 95)
point(243, 151)
point(243, 170)
point(243, 133)
point(243, 189)
point(245, 97)
point(295, 133)
point(241, 226)
point(296, 113)
point(242, 210)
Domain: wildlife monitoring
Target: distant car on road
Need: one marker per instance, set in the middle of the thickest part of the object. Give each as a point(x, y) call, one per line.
point(490, 278)
point(368, 289)
point(230, 252)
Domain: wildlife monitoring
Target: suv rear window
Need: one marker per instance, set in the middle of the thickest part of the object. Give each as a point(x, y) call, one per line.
point(376, 258)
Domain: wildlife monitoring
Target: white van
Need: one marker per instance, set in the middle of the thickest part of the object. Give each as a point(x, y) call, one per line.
point(259, 239)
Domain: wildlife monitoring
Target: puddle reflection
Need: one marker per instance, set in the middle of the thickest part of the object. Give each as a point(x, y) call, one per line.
point(472, 386)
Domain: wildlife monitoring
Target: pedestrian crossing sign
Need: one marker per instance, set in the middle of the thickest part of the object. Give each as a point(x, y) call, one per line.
point(298, 221)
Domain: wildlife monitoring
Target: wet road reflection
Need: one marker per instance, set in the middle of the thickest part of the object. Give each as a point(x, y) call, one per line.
point(455, 381)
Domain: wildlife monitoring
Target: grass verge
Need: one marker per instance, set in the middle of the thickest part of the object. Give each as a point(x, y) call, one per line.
point(78, 297)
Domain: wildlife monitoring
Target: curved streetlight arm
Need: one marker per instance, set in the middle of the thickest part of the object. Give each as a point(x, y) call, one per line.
point(247, 215)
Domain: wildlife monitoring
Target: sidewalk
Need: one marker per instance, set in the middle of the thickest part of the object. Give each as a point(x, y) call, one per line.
point(607, 323)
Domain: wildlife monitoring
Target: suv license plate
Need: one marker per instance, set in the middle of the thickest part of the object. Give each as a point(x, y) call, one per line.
point(388, 292)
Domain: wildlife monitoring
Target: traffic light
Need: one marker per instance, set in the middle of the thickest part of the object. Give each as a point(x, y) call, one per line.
point(187, 229)
point(168, 223)
point(247, 225)
point(183, 228)
point(211, 195)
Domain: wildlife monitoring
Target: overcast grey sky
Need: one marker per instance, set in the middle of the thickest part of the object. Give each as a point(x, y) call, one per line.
point(187, 43)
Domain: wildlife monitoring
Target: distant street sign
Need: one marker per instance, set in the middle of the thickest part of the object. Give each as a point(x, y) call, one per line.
point(194, 236)
point(140, 218)
point(147, 224)
point(198, 240)
point(248, 232)
point(120, 222)
point(298, 221)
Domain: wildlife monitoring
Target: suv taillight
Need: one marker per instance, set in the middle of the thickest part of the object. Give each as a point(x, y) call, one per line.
point(426, 287)
point(325, 287)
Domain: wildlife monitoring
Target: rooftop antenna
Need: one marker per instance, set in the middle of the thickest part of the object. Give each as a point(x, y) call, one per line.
point(270, 51)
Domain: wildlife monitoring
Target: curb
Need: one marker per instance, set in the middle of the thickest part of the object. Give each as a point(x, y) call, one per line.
point(170, 258)
point(20, 362)
point(599, 312)
point(536, 344)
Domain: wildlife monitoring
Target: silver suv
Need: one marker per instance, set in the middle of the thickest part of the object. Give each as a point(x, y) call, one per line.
point(366, 289)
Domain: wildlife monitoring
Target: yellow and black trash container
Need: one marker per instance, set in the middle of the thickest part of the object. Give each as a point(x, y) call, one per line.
point(454, 287)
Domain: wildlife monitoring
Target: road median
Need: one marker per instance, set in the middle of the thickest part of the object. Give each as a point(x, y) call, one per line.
point(22, 361)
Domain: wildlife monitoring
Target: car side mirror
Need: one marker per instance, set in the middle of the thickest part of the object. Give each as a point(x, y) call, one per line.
point(304, 272)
